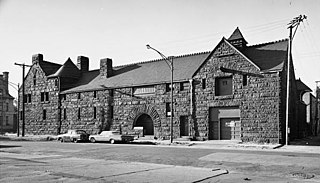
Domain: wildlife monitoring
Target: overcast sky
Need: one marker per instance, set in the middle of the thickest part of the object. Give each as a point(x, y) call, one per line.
point(120, 29)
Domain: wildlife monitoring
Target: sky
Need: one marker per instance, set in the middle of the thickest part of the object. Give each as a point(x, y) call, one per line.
point(120, 30)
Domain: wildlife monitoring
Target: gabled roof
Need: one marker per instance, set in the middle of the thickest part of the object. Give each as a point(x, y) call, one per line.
point(268, 56)
point(49, 67)
point(146, 73)
point(302, 87)
point(236, 35)
point(68, 70)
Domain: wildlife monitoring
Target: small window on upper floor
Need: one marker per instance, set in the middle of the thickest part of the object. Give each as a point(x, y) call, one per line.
point(35, 78)
point(64, 113)
point(94, 112)
point(168, 109)
point(44, 114)
point(79, 95)
point(168, 87)
point(94, 94)
point(56, 83)
point(244, 80)
point(184, 86)
point(204, 84)
point(223, 86)
point(44, 96)
point(79, 113)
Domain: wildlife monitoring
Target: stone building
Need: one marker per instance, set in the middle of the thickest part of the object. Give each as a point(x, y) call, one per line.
point(234, 92)
point(7, 109)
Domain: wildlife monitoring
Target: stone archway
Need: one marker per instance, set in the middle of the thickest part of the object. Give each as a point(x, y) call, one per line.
point(146, 116)
point(145, 121)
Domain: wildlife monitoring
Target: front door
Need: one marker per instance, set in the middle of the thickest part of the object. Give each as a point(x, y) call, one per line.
point(184, 126)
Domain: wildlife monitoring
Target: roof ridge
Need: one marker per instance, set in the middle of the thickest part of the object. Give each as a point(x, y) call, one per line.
point(51, 62)
point(271, 42)
point(160, 59)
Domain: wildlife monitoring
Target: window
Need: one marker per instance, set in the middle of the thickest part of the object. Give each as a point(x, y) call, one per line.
point(79, 113)
point(29, 98)
point(168, 109)
point(184, 86)
point(143, 91)
point(94, 94)
point(35, 79)
point(56, 82)
point(25, 99)
point(244, 80)
point(64, 113)
point(223, 86)
point(79, 95)
point(7, 106)
point(44, 114)
point(7, 120)
point(44, 96)
point(204, 84)
point(94, 112)
point(168, 87)
point(111, 112)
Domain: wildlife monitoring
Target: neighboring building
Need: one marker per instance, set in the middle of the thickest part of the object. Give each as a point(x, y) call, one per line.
point(234, 92)
point(7, 109)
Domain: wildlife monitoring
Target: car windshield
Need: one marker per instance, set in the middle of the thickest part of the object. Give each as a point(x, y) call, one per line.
point(115, 133)
point(81, 131)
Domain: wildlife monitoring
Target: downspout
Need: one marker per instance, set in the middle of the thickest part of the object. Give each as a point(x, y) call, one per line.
point(59, 108)
point(191, 106)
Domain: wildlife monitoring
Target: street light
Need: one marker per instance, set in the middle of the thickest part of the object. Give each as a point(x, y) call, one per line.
point(169, 62)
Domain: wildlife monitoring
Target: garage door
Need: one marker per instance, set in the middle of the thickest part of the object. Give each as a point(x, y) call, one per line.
point(230, 129)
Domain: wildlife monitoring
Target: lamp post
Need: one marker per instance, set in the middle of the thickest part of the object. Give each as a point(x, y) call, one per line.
point(169, 62)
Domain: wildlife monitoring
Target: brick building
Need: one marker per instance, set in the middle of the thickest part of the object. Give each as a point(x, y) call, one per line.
point(7, 109)
point(234, 92)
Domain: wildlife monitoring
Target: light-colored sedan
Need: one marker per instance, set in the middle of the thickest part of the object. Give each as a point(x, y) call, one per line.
point(111, 136)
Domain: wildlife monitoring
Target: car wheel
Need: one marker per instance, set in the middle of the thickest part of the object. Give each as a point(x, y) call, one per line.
point(75, 140)
point(61, 140)
point(93, 140)
point(112, 141)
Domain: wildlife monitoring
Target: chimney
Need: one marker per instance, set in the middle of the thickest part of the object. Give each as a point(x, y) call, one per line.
point(6, 81)
point(106, 70)
point(83, 63)
point(37, 58)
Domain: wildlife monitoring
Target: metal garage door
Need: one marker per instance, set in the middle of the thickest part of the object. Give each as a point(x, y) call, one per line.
point(230, 129)
point(224, 123)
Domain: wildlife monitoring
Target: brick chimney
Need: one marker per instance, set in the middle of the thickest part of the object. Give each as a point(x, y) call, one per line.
point(106, 69)
point(83, 63)
point(6, 81)
point(37, 58)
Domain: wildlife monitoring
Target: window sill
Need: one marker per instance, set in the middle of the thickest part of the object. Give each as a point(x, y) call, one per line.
point(223, 97)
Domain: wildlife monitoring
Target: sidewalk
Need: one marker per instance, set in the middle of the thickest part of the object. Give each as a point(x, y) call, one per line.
point(305, 145)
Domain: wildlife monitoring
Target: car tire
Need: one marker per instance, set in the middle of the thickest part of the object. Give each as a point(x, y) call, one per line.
point(112, 141)
point(74, 140)
point(61, 140)
point(93, 140)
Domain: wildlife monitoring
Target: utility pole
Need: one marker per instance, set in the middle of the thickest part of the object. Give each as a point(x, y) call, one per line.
point(18, 130)
point(22, 100)
point(293, 24)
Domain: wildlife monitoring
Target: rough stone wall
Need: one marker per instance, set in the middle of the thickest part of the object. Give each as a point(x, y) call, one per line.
point(102, 102)
point(34, 123)
point(258, 101)
point(125, 106)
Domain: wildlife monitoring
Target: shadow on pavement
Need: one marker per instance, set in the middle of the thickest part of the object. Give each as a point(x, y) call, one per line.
point(307, 141)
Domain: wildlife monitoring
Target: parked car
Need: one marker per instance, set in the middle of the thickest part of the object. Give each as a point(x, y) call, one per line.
point(73, 136)
point(111, 136)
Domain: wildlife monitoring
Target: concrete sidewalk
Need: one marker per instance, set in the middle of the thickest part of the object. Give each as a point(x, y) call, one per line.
point(306, 145)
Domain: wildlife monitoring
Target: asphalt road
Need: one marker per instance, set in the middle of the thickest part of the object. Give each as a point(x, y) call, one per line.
point(51, 161)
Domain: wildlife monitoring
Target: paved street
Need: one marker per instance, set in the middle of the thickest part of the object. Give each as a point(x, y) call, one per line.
point(51, 161)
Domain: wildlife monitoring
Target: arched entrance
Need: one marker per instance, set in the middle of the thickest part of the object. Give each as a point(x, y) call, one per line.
point(145, 121)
